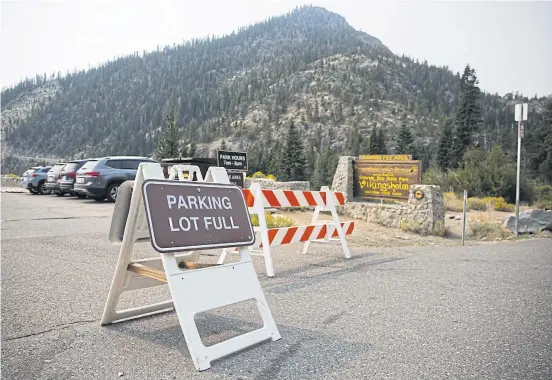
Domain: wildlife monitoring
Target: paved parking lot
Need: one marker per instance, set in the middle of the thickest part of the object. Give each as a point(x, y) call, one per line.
point(480, 312)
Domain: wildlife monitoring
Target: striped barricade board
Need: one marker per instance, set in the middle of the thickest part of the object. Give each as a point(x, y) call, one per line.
point(258, 199)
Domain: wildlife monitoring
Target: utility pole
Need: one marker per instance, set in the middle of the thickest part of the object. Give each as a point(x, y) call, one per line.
point(521, 111)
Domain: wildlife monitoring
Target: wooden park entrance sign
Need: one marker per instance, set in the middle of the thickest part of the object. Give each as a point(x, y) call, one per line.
point(389, 178)
point(185, 216)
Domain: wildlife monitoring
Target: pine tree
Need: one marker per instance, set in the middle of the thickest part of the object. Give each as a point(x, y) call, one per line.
point(318, 177)
point(310, 156)
point(445, 152)
point(405, 141)
point(353, 140)
point(184, 151)
point(381, 144)
point(468, 117)
point(275, 165)
point(168, 143)
point(373, 144)
point(193, 149)
point(539, 146)
point(365, 146)
point(294, 157)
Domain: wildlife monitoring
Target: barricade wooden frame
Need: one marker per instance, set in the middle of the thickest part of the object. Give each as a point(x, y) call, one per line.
point(238, 280)
point(317, 231)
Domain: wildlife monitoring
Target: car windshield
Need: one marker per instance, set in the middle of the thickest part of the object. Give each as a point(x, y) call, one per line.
point(71, 167)
point(89, 165)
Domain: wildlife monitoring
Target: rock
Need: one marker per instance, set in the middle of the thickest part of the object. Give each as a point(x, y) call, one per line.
point(120, 374)
point(457, 218)
point(277, 185)
point(484, 238)
point(451, 217)
point(530, 221)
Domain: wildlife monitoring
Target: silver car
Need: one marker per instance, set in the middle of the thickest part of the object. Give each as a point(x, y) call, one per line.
point(34, 180)
point(100, 178)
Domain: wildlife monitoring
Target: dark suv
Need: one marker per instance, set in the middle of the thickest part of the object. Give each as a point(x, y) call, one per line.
point(68, 176)
point(54, 177)
point(100, 178)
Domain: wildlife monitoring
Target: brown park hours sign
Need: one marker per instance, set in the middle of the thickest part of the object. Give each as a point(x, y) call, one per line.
point(190, 215)
point(388, 179)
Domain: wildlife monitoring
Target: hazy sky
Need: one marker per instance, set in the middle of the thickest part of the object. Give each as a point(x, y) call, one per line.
point(508, 43)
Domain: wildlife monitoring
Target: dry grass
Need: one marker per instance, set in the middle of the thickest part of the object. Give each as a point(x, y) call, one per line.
point(456, 204)
point(273, 221)
point(452, 202)
point(488, 225)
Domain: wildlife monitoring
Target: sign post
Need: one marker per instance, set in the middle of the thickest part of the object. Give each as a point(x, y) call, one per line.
point(520, 116)
point(235, 164)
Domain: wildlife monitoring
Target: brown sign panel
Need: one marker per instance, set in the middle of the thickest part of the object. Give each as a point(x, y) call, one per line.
point(236, 178)
point(391, 179)
point(232, 160)
point(190, 215)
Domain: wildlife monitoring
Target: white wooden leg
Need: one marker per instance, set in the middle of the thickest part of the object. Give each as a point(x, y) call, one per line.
point(191, 292)
point(337, 222)
point(222, 256)
point(313, 221)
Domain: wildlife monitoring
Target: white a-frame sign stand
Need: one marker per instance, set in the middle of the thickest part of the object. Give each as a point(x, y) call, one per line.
point(142, 214)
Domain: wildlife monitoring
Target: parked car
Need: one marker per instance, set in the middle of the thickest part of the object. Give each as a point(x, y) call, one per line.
point(54, 177)
point(68, 176)
point(34, 180)
point(101, 178)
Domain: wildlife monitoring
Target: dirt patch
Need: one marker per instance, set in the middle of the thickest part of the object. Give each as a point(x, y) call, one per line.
point(371, 234)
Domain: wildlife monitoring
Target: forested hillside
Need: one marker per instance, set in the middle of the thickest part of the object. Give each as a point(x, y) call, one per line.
point(336, 85)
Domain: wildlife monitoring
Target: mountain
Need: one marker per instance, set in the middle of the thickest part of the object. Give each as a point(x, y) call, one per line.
point(309, 67)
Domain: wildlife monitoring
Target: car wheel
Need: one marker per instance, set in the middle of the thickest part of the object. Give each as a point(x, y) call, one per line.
point(32, 191)
point(42, 189)
point(112, 192)
point(60, 193)
point(81, 196)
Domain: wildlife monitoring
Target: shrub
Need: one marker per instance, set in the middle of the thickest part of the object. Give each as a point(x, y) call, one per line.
point(452, 202)
point(271, 176)
point(11, 175)
point(477, 204)
point(279, 221)
point(411, 225)
point(273, 221)
point(544, 197)
point(488, 230)
point(258, 175)
point(499, 204)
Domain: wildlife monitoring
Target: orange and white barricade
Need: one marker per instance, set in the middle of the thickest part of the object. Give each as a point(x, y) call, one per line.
point(258, 199)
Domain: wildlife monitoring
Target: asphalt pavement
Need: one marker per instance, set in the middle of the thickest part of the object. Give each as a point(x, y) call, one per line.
point(478, 312)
